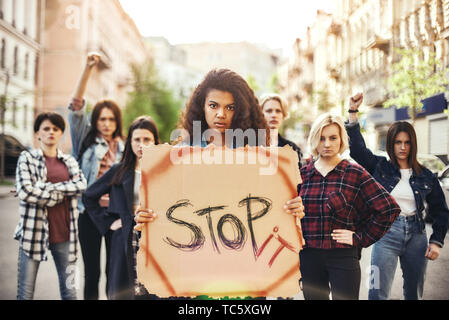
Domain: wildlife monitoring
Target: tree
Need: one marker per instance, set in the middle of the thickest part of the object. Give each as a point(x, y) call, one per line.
point(152, 97)
point(294, 117)
point(273, 83)
point(252, 82)
point(322, 99)
point(415, 77)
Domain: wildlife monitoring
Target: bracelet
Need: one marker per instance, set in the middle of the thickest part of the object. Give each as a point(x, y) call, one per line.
point(353, 111)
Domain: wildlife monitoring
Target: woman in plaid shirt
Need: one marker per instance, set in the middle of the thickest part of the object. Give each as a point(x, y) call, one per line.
point(48, 183)
point(345, 210)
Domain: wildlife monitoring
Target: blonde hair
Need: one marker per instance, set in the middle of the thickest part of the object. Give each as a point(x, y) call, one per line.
point(274, 96)
point(322, 121)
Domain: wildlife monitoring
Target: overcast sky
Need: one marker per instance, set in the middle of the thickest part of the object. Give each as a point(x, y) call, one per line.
point(275, 23)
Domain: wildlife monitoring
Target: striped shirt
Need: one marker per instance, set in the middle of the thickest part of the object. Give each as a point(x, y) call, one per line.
point(349, 198)
point(36, 194)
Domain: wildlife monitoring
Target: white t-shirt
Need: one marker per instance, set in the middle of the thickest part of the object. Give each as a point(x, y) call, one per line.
point(403, 194)
point(137, 181)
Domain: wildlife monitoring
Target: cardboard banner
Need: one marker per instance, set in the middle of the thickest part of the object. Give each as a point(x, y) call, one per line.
point(221, 230)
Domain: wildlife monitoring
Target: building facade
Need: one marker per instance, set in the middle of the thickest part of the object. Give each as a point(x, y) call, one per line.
point(171, 64)
point(353, 50)
point(20, 41)
point(72, 29)
point(247, 59)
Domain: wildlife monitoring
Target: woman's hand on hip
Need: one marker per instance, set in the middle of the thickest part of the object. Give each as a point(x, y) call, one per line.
point(117, 224)
point(342, 236)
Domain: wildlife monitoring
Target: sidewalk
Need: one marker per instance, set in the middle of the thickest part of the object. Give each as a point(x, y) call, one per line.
point(5, 191)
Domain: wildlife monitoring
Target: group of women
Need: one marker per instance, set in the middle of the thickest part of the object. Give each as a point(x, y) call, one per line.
point(344, 206)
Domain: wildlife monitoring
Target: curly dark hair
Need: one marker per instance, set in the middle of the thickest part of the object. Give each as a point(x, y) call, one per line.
point(247, 115)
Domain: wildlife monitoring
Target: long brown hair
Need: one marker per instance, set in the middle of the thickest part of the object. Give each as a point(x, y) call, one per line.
point(93, 131)
point(248, 113)
point(129, 159)
point(393, 131)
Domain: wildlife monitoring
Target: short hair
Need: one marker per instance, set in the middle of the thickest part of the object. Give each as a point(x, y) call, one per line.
point(393, 131)
point(276, 97)
point(55, 118)
point(322, 121)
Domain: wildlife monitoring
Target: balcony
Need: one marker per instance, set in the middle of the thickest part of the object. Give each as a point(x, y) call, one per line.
point(294, 71)
point(334, 73)
point(308, 87)
point(123, 81)
point(308, 54)
point(105, 62)
point(335, 29)
point(377, 42)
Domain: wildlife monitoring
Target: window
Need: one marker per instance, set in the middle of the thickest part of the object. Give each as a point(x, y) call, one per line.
point(14, 13)
point(14, 113)
point(27, 62)
point(16, 60)
point(2, 54)
point(25, 116)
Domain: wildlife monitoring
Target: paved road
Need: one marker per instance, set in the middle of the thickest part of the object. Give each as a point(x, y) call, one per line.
point(47, 287)
point(436, 287)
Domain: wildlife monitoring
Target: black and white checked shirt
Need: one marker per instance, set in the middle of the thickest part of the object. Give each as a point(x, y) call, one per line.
point(36, 194)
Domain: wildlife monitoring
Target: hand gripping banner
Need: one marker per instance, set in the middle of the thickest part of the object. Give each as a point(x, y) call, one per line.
point(221, 229)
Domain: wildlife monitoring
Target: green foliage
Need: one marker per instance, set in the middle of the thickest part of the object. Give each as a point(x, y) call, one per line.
point(7, 183)
point(252, 82)
point(415, 77)
point(294, 116)
point(273, 83)
point(152, 97)
point(321, 98)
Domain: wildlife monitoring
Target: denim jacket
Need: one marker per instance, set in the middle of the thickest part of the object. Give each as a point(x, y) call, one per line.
point(91, 158)
point(425, 186)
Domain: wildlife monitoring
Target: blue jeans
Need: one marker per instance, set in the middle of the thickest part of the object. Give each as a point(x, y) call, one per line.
point(27, 273)
point(408, 242)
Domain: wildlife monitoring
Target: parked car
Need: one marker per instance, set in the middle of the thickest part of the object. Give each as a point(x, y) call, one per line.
point(13, 148)
point(430, 161)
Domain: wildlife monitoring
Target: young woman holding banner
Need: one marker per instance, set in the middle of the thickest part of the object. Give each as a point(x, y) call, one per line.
point(223, 100)
point(122, 182)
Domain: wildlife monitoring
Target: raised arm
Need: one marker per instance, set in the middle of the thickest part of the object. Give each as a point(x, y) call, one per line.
point(358, 150)
point(36, 192)
point(93, 59)
point(79, 124)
